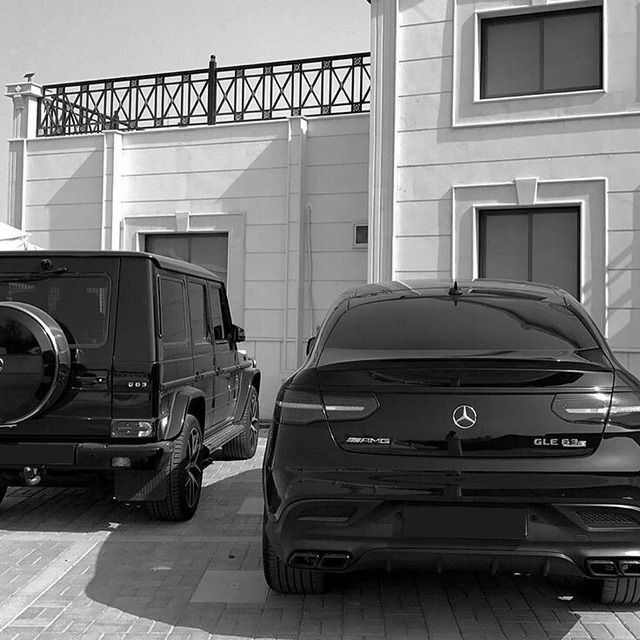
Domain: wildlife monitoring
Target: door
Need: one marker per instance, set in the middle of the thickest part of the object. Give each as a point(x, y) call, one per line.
point(202, 347)
point(226, 363)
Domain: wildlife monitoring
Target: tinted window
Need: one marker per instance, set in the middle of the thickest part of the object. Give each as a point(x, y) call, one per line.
point(172, 301)
point(542, 53)
point(197, 309)
point(538, 245)
point(219, 319)
point(80, 304)
point(439, 327)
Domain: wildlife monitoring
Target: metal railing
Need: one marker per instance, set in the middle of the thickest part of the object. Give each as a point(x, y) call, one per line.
point(307, 87)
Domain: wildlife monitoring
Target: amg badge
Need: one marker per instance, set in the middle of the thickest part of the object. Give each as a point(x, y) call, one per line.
point(567, 443)
point(374, 441)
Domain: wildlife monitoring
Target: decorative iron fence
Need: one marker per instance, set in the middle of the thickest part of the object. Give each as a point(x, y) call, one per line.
point(308, 87)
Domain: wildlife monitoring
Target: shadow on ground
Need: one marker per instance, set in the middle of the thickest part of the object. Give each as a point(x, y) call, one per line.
point(205, 575)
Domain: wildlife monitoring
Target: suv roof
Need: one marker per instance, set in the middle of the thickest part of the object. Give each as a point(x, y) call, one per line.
point(172, 264)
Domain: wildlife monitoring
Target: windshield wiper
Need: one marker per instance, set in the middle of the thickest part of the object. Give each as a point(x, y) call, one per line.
point(31, 277)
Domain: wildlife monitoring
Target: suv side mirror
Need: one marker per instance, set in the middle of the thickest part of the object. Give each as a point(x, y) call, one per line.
point(238, 334)
point(310, 342)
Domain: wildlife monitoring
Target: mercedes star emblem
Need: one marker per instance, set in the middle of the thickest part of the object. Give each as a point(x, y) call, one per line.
point(464, 416)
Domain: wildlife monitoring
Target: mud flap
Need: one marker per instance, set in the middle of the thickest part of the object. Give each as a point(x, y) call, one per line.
point(141, 486)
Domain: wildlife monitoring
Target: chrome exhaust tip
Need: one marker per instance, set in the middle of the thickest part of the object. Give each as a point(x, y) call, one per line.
point(602, 568)
point(32, 476)
point(629, 567)
point(334, 561)
point(304, 559)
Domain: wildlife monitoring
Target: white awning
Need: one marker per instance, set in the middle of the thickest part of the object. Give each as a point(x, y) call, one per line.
point(12, 239)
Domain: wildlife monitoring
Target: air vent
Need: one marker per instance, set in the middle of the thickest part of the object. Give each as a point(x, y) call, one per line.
point(607, 518)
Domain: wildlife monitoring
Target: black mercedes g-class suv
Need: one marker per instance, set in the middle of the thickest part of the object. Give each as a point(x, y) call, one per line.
point(122, 367)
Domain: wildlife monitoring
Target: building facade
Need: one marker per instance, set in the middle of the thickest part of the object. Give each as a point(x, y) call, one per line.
point(502, 141)
point(514, 132)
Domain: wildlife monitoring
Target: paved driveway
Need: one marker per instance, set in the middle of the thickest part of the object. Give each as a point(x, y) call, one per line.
point(74, 564)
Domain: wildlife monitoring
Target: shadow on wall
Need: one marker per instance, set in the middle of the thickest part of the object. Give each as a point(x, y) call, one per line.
point(71, 216)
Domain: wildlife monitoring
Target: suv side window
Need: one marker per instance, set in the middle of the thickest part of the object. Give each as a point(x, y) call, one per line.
point(198, 312)
point(219, 314)
point(173, 311)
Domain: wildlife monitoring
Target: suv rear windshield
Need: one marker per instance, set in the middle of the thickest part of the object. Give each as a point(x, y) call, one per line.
point(442, 327)
point(78, 303)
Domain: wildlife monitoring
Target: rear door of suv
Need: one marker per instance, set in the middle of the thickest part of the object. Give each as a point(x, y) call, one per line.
point(226, 357)
point(202, 345)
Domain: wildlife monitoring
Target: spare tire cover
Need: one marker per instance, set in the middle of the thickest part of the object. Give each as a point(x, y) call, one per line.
point(35, 361)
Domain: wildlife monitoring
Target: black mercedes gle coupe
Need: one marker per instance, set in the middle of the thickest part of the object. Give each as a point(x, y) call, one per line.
point(483, 426)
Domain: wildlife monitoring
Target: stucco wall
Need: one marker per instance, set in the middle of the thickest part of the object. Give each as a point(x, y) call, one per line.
point(455, 153)
point(287, 192)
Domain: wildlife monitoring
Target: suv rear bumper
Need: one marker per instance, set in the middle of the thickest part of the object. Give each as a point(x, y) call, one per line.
point(344, 536)
point(84, 456)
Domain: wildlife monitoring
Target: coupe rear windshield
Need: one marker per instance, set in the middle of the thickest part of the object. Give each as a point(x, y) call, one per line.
point(442, 327)
point(79, 304)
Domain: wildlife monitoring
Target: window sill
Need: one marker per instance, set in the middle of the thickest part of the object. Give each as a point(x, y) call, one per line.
point(529, 96)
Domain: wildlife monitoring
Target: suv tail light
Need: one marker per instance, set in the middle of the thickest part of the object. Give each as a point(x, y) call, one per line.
point(305, 407)
point(132, 428)
point(622, 407)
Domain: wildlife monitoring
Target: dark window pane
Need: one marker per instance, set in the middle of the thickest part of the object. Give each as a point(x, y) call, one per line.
point(512, 58)
point(172, 246)
point(572, 51)
point(471, 325)
point(505, 248)
point(362, 234)
point(211, 252)
point(541, 52)
point(539, 245)
point(219, 324)
point(174, 326)
point(208, 250)
point(555, 238)
point(197, 308)
point(80, 304)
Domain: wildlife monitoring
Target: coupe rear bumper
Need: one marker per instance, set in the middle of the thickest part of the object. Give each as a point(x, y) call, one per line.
point(584, 539)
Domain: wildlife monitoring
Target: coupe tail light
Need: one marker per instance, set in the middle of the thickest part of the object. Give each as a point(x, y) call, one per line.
point(582, 407)
point(621, 407)
point(304, 407)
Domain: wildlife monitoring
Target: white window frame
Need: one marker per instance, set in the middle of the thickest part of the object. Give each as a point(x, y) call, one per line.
point(556, 7)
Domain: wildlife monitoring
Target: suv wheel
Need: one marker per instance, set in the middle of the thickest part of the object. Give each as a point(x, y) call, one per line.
point(620, 591)
point(285, 579)
point(184, 484)
point(244, 446)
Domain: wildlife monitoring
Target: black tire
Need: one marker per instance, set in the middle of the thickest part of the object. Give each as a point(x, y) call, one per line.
point(620, 591)
point(244, 446)
point(184, 484)
point(285, 579)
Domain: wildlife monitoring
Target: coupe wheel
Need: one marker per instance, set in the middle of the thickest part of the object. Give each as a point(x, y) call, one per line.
point(184, 484)
point(620, 591)
point(280, 577)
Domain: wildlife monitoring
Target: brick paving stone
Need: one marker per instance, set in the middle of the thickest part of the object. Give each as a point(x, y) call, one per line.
point(134, 580)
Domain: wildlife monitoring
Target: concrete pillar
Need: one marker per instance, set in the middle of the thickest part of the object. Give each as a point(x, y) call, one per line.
point(25, 120)
point(295, 285)
point(110, 235)
point(382, 139)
